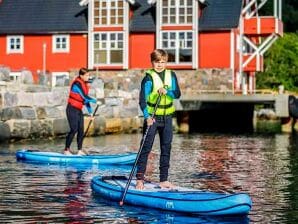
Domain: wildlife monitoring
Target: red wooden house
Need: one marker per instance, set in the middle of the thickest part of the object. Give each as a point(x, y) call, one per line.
point(120, 34)
point(42, 35)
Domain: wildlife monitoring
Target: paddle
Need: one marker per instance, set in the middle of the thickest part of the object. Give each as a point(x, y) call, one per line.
point(139, 153)
point(91, 121)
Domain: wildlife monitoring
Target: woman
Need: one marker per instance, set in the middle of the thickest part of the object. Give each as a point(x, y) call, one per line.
point(78, 97)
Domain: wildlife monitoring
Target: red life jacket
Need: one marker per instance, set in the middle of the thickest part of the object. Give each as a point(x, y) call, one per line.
point(75, 99)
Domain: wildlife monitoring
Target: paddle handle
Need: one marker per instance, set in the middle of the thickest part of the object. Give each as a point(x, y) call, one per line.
point(121, 202)
point(96, 108)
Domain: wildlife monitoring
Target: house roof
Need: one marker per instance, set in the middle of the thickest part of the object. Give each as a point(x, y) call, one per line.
point(67, 16)
point(143, 19)
point(220, 14)
point(42, 16)
point(217, 15)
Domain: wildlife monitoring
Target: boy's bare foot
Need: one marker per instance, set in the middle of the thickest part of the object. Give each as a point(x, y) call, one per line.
point(140, 185)
point(166, 184)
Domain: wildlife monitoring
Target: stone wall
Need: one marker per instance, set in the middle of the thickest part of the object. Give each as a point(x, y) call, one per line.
point(38, 111)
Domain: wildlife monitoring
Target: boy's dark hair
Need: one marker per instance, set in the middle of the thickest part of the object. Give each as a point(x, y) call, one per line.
point(83, 71)
point(159, 54)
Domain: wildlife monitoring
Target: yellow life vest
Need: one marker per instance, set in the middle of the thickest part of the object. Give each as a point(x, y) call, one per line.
point(166, 106)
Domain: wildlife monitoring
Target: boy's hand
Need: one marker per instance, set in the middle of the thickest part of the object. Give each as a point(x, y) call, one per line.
point(162, 91)
point(150, 121)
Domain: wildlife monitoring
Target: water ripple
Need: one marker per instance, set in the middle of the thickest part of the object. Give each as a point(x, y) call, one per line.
point(265, 167)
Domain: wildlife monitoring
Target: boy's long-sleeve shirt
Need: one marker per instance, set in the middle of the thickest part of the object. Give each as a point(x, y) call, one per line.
point(147, 87)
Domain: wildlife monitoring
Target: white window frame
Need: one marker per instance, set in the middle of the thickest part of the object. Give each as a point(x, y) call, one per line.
point(108, 15)
point(56, 75)
point(177, 7)
point(108, 48)
point(10, 50)
point(54, 43)
point(178, 42)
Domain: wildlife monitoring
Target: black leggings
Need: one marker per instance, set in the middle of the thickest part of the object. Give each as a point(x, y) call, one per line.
point(162, 125)
point(76, 124)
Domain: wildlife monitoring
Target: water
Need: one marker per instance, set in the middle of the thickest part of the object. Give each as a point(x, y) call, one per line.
point(264, 166)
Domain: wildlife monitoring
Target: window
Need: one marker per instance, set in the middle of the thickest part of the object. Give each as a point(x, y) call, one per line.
point(178, 44)
point(15, 44)
point(108, 48)
point(108, 12)
point(61, 43)
point(177, 12)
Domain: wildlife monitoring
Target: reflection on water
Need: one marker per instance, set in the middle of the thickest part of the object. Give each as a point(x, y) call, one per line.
point(265, 167)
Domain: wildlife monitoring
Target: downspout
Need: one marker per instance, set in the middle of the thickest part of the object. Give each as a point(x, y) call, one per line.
point(126, 34)
point(196, 34)
point(90, 35)
point(158, 23)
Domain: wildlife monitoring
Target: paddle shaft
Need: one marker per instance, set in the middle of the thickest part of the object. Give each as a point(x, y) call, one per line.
point(90, 121)
point(138, 155)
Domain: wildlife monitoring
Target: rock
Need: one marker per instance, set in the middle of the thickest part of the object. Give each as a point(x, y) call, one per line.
point(10, 99)
point(26, 77)
point(113, 125)
point(90, 124)
point(60, 126)
point(129, 112)
point(4, 74)
point(19, 129)
point(49, 112)
point(116, 111)
point(58, 96)
point(4, 131)
point(105, 111)
point(111, 93)
point(126, 124)
point(111, 85)
point(113, 101)
point(175, 125)
point(43, 79)
point(33, 88)
point(18, 113)
point(99, 125)
point(99, 93)
point(27, 113)
point(9, 113)
point(136, 124)
point(24, 99)
point(97, 84)
point(266, 114)
point(184, 128)
point(42, 128)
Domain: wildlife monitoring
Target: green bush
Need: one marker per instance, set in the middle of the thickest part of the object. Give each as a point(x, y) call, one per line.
point(281, 64)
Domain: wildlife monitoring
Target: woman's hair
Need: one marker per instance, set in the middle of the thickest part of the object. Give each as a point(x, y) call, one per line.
point(159, 54)
point(83, 71)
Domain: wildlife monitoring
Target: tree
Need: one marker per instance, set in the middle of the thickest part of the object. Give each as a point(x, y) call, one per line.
point(281, 64)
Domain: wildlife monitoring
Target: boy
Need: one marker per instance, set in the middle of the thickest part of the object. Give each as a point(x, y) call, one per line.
point(163, 82)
